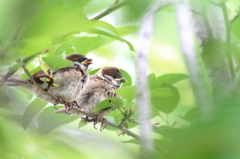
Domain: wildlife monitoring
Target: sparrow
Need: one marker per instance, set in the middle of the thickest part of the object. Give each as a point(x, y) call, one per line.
point(70, 81)
point(101, 86)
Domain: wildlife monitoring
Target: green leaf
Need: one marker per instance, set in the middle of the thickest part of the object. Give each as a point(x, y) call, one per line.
point(155, 112)
point(102, 25)
point(126, 30)
point(54, 21)
point(132, 141)
point(109, 102)
point(25, 76)
point(92, 72)
point(152, 80)
point(47, 120)
point(235, 28)
point(84, 45)
point(32, 110)
point(128, 92)
point(32, 45)
point(62, 48)
point(192, 114)
point(166, 104)
point(161, 92)
point(100, 32)
point(116, 115)
point(171, 78)
point(15, 67)
point(112, 120)
point(56, 62)
point(45, 80)
point(81, 124)
point(127, 76)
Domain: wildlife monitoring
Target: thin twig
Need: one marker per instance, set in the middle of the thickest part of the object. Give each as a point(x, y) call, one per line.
point(109, 10)
point(136, 122)
point(164, 119)
point(34, 82)
point(128, 132)
point(177, 122)
point(28, 74)
point(124, 119)
point(11, 72)
point(228, 40)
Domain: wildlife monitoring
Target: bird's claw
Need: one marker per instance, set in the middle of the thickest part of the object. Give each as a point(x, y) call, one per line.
point(104, 123)
point(97, 119)
point(69, 105)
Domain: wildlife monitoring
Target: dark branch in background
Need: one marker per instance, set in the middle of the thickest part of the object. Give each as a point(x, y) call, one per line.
point(110, 9)
point(228, 40)
point(199, 80)
point(207, 24)
point(11, 72)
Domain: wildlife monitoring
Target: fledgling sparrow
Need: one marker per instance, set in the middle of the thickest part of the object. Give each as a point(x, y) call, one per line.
point(71, 81)
point(101, 86)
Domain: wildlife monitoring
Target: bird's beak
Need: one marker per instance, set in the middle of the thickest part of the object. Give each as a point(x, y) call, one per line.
point(121, 79)
point(88, 61)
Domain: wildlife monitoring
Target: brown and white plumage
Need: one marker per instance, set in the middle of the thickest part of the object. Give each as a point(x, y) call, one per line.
point(72, 80)
point(101, 86)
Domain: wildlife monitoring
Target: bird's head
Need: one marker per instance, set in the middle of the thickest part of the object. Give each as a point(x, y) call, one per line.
point(79, 60)
point(112, 75)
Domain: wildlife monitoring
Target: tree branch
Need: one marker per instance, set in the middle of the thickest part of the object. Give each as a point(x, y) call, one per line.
point(11, 72)
point(128, 132)
point(136, 122)
point(34, 82)
point(145, 34)
point(110, 9)
point(199, 80)
point(228, 40)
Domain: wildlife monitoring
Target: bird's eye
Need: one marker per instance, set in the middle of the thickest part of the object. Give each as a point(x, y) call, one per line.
point(114, 76)
point(81, 60)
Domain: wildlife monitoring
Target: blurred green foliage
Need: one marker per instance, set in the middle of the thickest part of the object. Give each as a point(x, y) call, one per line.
point(48, 30)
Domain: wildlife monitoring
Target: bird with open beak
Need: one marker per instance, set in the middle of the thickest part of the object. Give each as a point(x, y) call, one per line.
point(101, 86)
point(71, 81)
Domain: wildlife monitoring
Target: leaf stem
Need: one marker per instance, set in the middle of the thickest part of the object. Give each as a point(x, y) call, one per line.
point(110, 9)
point(164, 119)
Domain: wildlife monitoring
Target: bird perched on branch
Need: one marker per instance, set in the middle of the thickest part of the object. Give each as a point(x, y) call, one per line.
point(101, 86)
point(70, 81)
